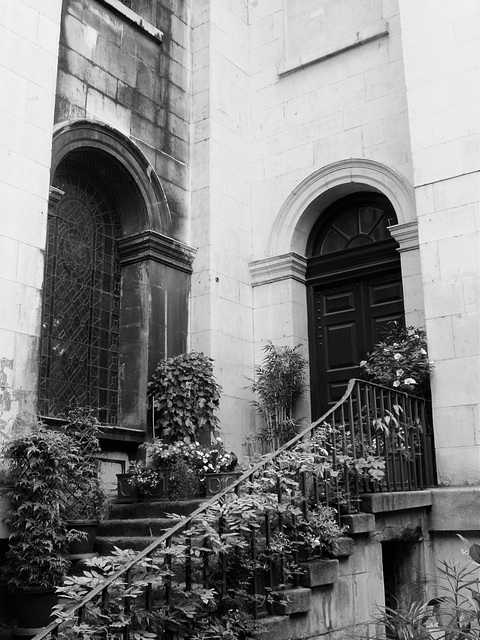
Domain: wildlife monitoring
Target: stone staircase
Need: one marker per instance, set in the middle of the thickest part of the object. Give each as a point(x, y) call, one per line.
point(134, 525)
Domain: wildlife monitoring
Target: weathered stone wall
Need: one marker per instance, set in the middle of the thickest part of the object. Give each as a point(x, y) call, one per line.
point(441, 51)
point(221, 310)
point(112, 70)
point(29, 34)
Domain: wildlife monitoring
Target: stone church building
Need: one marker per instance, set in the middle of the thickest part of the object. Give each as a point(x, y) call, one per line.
point(212, 174)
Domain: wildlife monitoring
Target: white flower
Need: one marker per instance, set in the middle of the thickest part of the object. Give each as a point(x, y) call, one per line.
point(396, 383)
point(399, 373)
point(397, 356)
point(423, 352)
point(363, 363)
point(409, 381)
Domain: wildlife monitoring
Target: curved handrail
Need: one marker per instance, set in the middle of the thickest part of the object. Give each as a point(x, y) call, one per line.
point(234, 487)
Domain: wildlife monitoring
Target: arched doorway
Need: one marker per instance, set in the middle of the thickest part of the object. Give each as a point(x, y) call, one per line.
point(354, 287)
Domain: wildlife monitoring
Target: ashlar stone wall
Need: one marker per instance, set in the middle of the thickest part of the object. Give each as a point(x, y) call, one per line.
point(29, 35)
point(442, 58)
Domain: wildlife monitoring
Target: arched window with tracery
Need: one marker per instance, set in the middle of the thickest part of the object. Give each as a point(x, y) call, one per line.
point(79, 360)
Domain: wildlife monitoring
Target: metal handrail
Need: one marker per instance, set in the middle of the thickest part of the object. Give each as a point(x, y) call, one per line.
point(376, 399)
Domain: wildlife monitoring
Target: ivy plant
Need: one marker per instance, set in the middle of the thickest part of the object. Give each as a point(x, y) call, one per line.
point(86, 499)
point(184, 396)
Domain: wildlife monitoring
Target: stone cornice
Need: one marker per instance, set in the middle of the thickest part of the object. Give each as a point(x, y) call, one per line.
point(54, 196)
point(276, 268)
point(406, 234)
point(150, 245)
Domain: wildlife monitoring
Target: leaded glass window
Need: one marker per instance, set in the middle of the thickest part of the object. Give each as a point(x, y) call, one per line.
point(81, 310)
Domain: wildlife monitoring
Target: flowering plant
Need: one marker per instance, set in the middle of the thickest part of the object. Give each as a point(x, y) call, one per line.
point(180, 460)
point(400, 360)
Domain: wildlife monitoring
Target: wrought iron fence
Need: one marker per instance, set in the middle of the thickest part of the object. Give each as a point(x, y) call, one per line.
point(255, 534)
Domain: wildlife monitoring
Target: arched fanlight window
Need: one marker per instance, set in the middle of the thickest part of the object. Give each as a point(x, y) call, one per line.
point(355, 221)
point(81, 309)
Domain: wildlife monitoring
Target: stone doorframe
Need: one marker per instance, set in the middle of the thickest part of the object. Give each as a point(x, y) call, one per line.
point(155, 268)
point(278, 281)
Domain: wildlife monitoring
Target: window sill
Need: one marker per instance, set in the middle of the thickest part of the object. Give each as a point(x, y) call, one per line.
point(380, 30)
point(132, 17)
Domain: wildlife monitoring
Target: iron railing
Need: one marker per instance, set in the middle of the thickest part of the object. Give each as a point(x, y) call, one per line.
point(379, 440)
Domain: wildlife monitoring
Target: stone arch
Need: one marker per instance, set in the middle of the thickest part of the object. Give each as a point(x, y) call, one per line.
point(140, 208)
point(313, 195)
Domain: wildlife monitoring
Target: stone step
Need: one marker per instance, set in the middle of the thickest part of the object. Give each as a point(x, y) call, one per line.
point(104, 545)
point(142, 527)
point(160, 509)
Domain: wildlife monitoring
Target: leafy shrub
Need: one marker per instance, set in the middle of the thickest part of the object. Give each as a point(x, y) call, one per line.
point(400, 360)
point(40, 467)
point(184, 397)
point(279, 382)
point(86, 499)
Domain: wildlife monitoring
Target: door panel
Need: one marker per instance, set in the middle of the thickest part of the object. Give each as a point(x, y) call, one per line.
point(349, 318)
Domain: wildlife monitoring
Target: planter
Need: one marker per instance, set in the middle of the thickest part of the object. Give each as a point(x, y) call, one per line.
point(34, 607)
point(126, 492)
point(82, 548)
point(5, 604)
point(217, 482)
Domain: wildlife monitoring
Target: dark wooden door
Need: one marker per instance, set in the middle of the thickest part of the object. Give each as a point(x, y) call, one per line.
point(346, 319)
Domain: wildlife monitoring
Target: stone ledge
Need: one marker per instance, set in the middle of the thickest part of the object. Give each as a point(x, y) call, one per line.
point(289, 601)
point(359, 523)
point(403, 500)
point(317, 573)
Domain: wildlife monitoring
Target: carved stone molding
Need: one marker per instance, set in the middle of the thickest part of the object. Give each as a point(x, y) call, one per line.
point(406, 234)
point(276, 268)
point(54, 196)
point(151, 245)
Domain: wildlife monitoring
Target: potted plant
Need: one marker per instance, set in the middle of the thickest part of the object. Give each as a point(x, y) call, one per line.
point(40, 465)
point(279, 382)
point(85, 497)
point(183, 397)
point(219, 469)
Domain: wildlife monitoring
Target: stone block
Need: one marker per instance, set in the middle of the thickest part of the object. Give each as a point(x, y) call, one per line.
point(458, 466)
point(455, 383)
point(276, 628)
point(454, 509)
point(289, 601)
point(9, 252)
point(359, 523)
point(344, 547)
point(316, 573)
point(30, 265)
